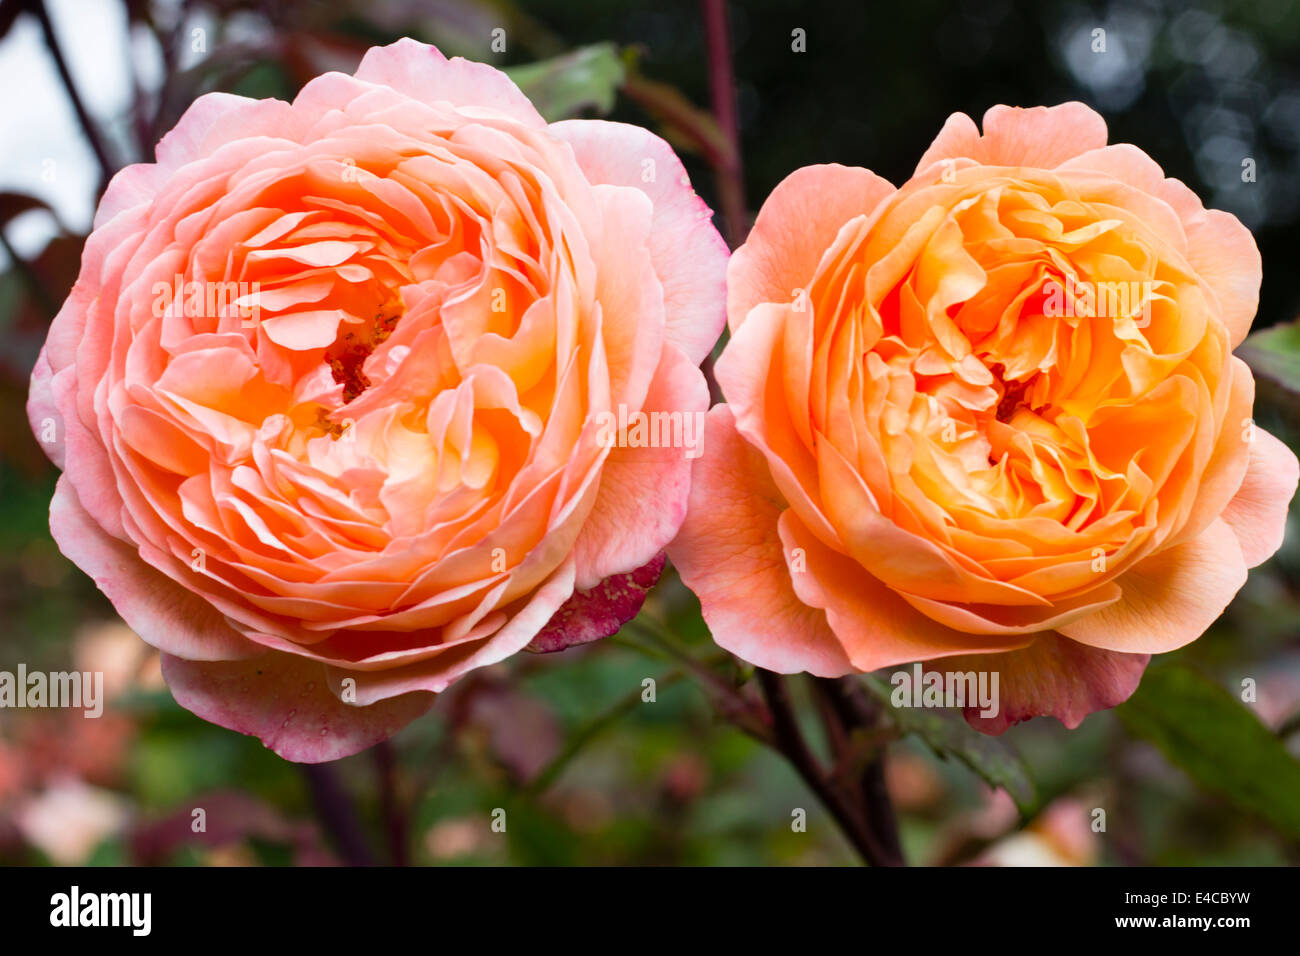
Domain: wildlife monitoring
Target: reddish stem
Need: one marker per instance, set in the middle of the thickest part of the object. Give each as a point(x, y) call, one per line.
point(722, 93)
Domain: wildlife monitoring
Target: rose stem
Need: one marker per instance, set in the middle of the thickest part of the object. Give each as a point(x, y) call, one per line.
point(855, 710)
point(722, 92)
point(106, 165)
point(728, 168)
point(791, 744)
point(390, 805)
point(337, 814)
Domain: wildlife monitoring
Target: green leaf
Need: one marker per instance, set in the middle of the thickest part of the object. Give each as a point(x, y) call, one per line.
point(1275, 354)
point(567, 85)
point(948, 735)
point(1221, 745)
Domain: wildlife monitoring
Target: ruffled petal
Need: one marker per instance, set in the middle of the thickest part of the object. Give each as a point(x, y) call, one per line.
point(797, 223)
point(422, 72)
point(1041, 136)
point(689, 255)
point(1169, 598)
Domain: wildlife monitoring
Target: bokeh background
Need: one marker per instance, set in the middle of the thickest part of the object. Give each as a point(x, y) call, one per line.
point(586, 771)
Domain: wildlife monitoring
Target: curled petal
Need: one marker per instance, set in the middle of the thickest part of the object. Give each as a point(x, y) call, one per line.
point(1257, 514)
point(797, 223)
point(599, 612)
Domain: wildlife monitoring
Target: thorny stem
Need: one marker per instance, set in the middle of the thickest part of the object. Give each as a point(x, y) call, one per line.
point(854, 710)
point(337, 814)
point(848, 813)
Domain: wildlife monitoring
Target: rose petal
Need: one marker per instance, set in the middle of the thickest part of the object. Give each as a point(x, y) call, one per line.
point(421, 71)
point(163, 613)
point(1169, 598)
point(1042, 136)
point(43, 411)
point(1257, 514)
point(643, 491)
point(874, 625)
point(1219, 247)
point(286, 703)
point(797, 223)
point(1052, 677)
point(689, 255)
point(729, 554)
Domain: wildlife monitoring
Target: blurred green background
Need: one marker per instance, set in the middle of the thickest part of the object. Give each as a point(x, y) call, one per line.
point(585, 770)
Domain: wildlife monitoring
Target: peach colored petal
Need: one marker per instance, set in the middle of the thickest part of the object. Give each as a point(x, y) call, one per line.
point(43, 411)
point(1219, 247)
point(1226, 468)
point(630, 294)
point(286, 703)
point(729, 554)
point(1170, 598)
point(1001, 619)
point(1224, 253)
point(525, 621)
point(160, 611)
point(131, 186)
point(1041, 136)
point(798, 221)
point(875, 626)
point(1257, 514)
point(752, 360)
point(211, 121)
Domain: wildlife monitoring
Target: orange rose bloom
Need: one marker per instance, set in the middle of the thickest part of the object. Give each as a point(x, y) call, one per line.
point(993, 414)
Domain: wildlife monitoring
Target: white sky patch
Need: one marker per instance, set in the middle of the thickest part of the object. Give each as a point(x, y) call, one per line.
point(46, 154)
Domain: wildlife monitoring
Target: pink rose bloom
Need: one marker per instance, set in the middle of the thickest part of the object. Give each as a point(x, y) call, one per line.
point(989, 419)
point(328, 394)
